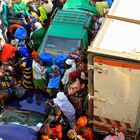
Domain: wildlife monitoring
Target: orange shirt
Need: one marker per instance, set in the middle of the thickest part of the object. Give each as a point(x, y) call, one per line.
point(8, 51)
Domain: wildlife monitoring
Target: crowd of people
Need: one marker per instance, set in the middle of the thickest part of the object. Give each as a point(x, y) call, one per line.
point(63, 79)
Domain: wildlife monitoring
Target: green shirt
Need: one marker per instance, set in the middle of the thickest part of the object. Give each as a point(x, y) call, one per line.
point(18, 7)
point(38, 36)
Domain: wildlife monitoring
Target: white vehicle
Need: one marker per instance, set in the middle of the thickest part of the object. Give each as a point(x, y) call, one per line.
point(114, 71)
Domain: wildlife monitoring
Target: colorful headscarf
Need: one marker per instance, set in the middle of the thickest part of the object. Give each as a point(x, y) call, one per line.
point(74, 75)
point(23, 51)
point(34, 54)
point(82, 121)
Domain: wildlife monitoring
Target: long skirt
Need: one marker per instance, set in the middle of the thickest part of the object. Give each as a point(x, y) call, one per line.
point(40, 84)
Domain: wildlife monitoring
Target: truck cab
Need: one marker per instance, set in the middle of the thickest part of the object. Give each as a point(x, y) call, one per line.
point(66, 31)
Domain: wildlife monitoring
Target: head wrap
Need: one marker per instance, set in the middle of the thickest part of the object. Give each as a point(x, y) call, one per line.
point(38, 25)
point(34, 54)
point(82, 121)
point(60, 98)
point(74, 75)
point(47, 59)
point(69, 62)
point(20, 33)
point(23, 51)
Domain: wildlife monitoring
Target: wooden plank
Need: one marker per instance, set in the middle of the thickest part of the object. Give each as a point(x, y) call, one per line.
point(124, 19)
point(90, 87)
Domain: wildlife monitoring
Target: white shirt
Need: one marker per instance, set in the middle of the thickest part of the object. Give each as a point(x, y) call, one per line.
point(65, 78)
point(38, 70)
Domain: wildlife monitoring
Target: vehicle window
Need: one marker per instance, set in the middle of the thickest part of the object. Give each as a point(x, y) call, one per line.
point(21, 117)
point(60, 44)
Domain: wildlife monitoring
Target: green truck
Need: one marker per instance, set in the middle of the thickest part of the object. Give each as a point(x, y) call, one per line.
point(66, 31)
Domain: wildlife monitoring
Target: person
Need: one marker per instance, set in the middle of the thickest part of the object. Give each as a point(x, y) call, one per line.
point(74, 83)
point(16, 68)
point(66, 107)
point(115, 134)
point(55, 116)
point(69, 67)
point(26, 68)
point(46, 132)
point(44, 10)
point(72, 134)
point(37, 35)
point(73, 90)
point(54, 80)
point(2, 41)
point(40, 13)
point(83, 70)
point(39, 72)
point(4, 17)
point(8, 51)
point(57, 132)
point(20, 34)
point(82, 129)
point(31, 5)
point(21, 10)
point(12, 28)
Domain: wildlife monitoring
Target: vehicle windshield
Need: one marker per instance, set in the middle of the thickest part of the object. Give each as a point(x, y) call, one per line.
point(21, 117)
point(61, 45)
